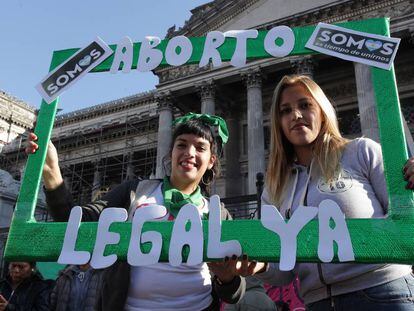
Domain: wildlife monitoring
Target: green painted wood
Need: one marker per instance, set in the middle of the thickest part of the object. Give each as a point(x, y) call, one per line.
point(374, 240)
point(393, 142)
point(26, 202)
point(255, 49)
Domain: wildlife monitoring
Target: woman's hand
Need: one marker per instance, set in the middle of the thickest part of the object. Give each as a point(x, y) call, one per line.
point(51, 172)
point(226, 270)
point(408, 171)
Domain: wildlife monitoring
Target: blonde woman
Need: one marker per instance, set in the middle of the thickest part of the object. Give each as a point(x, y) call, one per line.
point(309, 162)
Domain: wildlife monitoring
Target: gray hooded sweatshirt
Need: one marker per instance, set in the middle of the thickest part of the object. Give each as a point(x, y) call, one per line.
point(361, 192)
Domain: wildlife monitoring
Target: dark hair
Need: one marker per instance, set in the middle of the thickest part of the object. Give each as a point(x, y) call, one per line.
point(32, 264)
point(200, 129)
point(6, 270)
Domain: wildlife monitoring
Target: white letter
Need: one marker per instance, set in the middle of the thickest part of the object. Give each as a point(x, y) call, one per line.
point(178, 58)
point(193, 237)
point(71, 73)
point(328, 210)
point(216, 248)
point(239, 57)
point(272, 220)
point(52, 88)
point(95, 54)
point(284, 33)
point(59, 80)
point(325, 36)
point(213, 40)
point(68, 255)
point(342, 38)
point(104, 237)
point(149, 57)
point(135, 256)
point(123, 54)
point(351, 41)
point(387, 48)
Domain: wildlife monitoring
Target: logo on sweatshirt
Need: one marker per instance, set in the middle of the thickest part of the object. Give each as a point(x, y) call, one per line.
point(341, 184)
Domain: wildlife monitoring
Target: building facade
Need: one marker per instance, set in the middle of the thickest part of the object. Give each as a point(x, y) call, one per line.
point(16, 118)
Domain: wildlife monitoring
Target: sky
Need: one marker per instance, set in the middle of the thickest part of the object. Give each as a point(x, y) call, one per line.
point(31, 30)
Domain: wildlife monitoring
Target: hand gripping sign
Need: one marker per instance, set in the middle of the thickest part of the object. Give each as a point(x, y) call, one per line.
point(306, 237)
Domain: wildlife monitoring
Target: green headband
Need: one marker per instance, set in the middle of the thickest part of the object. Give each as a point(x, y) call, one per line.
point(209, 120)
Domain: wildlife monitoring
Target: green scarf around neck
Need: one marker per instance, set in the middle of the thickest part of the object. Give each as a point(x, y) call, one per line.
point(175, 199)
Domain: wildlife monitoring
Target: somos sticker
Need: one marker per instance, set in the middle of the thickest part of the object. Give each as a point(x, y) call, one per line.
point(356, 46)
point(73, 69)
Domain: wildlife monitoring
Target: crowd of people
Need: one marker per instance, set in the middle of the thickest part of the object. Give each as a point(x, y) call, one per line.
point(309, 162)
point(24, 288)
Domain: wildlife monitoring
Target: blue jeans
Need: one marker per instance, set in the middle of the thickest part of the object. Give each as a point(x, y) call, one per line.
point(397, 295)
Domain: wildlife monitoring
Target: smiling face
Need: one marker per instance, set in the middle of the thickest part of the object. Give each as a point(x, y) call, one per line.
point(190, 158)
point(300, 117)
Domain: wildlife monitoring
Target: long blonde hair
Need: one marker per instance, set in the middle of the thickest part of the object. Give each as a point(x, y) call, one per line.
point(327, 148)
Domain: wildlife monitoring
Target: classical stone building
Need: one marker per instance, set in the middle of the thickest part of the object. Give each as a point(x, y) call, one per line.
point(127, 138)
point(16, 117)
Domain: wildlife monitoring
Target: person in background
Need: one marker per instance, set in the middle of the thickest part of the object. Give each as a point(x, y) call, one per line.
point(255, 298)
point(408, 171)
point(77, 288)
point(24, 289)
point(286, 296)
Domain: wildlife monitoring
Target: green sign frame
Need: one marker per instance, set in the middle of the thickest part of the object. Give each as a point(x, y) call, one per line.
point(389, 240)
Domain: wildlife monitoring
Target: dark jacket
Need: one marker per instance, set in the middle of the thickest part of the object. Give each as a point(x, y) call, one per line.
point(117, 277)
point(30, 295)
point(61, 293)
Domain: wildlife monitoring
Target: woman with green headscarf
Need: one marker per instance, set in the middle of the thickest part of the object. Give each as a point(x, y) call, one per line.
point(194, 161)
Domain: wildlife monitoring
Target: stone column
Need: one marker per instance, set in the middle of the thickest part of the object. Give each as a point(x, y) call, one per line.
point(130, 167)
point(303, 65)
point(164, 131)
point(206, 91)
point(234, 179)
point(366, 102)
point(255, 133)
point(97, 179)
point(68, 182)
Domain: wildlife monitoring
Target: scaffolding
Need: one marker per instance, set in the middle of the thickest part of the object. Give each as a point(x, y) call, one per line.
point(89, 177)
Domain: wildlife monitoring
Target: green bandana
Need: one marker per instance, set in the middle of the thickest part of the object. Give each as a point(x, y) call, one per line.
point(210, 120)
point(174, 199)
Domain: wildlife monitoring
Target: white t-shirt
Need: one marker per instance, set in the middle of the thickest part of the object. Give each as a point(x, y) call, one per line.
point(165, 287)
